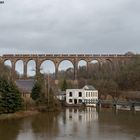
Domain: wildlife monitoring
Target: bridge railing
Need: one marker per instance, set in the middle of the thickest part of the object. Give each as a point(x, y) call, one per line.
point(111, 102)
point(68, 55)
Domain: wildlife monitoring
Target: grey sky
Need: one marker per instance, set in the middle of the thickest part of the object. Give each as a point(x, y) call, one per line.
point(70, 26)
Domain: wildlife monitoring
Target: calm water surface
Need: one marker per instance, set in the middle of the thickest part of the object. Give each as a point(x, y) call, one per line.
point(74, 124)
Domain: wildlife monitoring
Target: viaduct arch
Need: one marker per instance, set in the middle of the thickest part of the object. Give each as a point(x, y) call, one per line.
point(58, 58)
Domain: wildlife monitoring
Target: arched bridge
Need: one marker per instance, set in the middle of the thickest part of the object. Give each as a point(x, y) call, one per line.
point(58, 58)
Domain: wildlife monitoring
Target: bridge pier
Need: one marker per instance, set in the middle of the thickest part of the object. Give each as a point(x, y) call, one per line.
point(13, 69)
point(75, 70)
point(88, 63)
point(56, 73)
point(37, 67)
point(76, 74)
point(25, 70)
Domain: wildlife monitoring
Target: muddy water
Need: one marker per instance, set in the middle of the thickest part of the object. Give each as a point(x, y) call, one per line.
point(74, 124)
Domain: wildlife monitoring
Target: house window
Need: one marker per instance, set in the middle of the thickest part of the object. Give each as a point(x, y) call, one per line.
point(70, 100)
point(70, 94)
point(70, 117)
point(96, 94)
point(87, 94)
point(80, 101)
point(80, 94)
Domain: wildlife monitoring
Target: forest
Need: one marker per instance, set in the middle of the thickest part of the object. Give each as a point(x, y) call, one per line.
point(109, 78)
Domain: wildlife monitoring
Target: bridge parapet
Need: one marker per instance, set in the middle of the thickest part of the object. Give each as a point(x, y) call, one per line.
point(69, 55)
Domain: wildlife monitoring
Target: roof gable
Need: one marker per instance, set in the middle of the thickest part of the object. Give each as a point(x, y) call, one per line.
point(88, 87)
point(25, 85)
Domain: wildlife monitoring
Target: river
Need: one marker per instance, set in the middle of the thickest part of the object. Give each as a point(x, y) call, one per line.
point(74, 124)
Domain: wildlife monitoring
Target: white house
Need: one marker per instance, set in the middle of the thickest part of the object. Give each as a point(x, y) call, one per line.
point(88, 95)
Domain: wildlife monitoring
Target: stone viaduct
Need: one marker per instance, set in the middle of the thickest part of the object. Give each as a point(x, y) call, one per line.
point(58, 58)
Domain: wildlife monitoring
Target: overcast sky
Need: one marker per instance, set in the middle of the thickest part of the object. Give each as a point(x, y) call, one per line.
point(69, 26)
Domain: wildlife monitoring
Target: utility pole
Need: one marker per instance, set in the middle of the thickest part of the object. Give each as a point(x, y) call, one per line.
point(45, 83)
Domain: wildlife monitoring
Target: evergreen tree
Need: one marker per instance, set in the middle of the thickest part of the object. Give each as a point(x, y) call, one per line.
point(44, 97)
point(10, 98)
point(36, 91)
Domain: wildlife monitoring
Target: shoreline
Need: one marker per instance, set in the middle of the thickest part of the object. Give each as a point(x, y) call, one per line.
point(18, 115)
point(28, 113)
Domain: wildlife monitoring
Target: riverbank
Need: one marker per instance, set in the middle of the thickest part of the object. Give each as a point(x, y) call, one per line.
point(18, 115)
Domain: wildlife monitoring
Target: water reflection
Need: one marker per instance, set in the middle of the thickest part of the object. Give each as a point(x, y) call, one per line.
point(45, 126)
point(78, 115)
point(73, 123)
point(77, 123)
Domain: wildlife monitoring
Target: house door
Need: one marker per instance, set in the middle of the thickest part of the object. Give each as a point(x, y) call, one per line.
point(75, 101)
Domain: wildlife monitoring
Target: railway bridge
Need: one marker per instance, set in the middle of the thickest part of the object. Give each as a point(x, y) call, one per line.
point(58, 58)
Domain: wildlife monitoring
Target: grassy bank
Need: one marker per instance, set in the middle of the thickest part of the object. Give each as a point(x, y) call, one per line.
point(18, 115)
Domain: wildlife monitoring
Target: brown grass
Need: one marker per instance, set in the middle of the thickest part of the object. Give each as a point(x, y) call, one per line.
point(18, 115)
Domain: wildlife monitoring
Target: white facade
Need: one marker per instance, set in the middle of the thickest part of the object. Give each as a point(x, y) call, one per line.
point(88, 95)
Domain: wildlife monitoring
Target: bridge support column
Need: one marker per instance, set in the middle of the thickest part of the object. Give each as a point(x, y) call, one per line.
point(116, 64)
point(13, 69)
point(37, 67)
point(88, 63)
point(100, 65)
point(56, 73)
point(76, 73)
point(25, 70)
